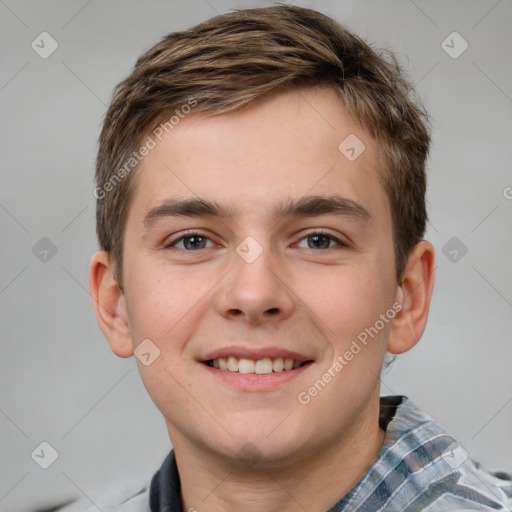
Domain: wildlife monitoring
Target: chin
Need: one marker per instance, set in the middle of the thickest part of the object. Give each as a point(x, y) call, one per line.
point(261, 445)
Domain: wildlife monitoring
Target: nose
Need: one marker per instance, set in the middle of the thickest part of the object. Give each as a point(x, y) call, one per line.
point(256, 291)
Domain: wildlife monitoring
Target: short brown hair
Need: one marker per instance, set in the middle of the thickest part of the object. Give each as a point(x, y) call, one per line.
point(234, 60)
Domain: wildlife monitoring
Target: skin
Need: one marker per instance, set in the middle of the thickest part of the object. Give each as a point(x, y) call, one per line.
point(264, 450)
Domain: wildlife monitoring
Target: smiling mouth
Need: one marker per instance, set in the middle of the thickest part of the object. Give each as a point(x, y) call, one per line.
point(259, 367)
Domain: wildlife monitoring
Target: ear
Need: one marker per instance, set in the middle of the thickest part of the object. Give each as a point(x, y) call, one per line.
point(109, 304)
point(414, 293)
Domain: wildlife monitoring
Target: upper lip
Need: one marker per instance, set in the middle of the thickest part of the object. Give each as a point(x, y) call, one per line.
point(256, 353)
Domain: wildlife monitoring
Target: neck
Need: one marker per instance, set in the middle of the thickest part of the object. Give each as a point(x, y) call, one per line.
point(314, 482)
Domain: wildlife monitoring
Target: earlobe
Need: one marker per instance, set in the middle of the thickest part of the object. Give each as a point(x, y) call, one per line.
point(109, 305)
point(414, 293)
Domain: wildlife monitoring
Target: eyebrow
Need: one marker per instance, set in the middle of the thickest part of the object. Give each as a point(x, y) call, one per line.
point(307, 206)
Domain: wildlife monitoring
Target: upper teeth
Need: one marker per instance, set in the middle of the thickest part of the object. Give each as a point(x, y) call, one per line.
point(261, 366)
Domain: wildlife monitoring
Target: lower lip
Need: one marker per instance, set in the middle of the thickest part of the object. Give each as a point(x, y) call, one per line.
point(254, 382)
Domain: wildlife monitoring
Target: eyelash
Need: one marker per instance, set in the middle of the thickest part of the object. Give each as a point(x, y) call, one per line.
point(191, 234)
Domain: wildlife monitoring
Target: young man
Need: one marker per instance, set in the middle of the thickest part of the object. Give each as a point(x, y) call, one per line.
point(261, 213)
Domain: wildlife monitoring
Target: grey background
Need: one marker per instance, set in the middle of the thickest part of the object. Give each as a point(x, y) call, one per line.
point(59, 381)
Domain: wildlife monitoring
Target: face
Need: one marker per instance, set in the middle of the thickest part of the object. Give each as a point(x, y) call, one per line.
point(283, 252)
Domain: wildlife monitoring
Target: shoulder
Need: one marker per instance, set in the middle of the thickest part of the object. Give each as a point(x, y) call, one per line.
point(120, 497)
point(422, 467)
point(441, 470)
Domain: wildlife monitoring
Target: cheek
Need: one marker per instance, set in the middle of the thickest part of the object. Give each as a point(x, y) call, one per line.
point(166, 307)
point(345, 300)
point(164, 304)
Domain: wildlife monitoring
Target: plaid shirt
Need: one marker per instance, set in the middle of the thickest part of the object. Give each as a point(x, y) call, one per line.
point(419, 468)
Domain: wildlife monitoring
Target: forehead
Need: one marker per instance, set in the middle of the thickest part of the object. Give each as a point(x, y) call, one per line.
point(295, 144)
